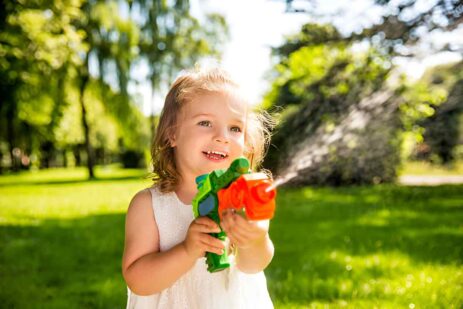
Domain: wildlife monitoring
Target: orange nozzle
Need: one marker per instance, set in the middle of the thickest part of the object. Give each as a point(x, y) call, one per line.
point(249, 191)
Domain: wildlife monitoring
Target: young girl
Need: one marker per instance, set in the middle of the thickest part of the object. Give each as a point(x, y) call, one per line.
point(205, 124)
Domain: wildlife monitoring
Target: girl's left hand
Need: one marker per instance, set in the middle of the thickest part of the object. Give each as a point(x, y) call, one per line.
point(241, 232)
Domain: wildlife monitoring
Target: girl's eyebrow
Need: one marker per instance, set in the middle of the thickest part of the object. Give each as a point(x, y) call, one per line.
point(203, 114)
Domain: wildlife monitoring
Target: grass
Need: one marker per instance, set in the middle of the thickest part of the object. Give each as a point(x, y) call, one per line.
point(61, 240)
point(366, 247)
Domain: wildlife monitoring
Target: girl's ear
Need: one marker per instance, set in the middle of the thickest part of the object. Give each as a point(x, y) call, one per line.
point(170, 137)
point(172, 141)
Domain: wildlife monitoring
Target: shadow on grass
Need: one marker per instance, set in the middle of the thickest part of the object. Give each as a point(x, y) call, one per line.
point(310, 230)
point(63, 264)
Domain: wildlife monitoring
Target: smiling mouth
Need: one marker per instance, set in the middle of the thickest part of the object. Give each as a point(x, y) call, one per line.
point(215, 155)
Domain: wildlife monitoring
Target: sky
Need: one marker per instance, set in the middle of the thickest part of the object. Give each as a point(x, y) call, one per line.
point(257, 25)
point(254, 27)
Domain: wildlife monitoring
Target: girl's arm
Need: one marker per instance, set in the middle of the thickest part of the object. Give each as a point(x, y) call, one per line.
point(255, 258)
point(148, 271)
point(254, 247)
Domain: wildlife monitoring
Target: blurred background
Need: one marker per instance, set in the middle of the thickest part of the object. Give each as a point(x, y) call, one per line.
point(368, 148)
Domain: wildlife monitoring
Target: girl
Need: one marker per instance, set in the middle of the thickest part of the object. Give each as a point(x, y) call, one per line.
point(205, 124)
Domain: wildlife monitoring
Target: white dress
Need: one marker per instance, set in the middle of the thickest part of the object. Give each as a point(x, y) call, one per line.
point(198, 288)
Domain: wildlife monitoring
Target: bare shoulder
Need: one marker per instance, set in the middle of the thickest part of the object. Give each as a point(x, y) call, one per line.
point(141, 232)
point(141, 200)
point(140, 210)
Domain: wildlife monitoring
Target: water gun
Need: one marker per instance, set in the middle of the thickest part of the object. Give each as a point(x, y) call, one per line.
point(235, 188)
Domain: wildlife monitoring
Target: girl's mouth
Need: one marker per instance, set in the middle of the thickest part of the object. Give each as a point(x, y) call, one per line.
point(215, 155)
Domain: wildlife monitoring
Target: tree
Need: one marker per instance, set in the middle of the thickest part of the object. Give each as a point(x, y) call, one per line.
point(328, 135)
point(171, 40)
point(80, 46)
point(36, 40)
point(442, 130)
point(339, 124)
point(166, 35)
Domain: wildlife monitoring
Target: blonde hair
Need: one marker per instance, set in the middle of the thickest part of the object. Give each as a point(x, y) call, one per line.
point(185, 88)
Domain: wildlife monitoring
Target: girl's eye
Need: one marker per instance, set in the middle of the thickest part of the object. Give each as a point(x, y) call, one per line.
point(235, 129)
point(205, 123)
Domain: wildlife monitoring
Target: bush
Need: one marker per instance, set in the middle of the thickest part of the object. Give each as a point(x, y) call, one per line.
point(133, 159)
point(360, 146)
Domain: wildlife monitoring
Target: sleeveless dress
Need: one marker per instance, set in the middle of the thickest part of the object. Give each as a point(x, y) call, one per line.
point(198, 288)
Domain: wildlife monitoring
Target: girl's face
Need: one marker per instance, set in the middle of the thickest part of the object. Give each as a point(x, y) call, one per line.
point(209, 134)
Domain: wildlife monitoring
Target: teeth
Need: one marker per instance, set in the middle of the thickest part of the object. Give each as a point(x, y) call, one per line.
point(218, 153)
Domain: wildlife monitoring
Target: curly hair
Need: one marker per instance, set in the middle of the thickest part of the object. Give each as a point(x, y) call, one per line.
point(186, 87)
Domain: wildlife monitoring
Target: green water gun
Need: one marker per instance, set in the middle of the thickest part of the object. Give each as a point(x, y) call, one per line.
point(233, 188)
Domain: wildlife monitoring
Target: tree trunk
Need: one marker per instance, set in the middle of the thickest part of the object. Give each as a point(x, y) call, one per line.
point(84, 77)
point(11, 138)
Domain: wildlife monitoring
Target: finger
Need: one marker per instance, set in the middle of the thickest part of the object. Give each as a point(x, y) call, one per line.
point(205, 229)
point(205, 221)
point(213, 248)
point(252, 226)
point(212, 241)
point(240, 237)
point(232, 240)
point(228, 211)
point(224, 226)
point(227, 222)
point(241, 224)
point(205, 226)
point(244, 235)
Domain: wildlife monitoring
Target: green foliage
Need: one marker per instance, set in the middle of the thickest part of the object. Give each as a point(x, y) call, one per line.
point(443, 130)
point(420, 100)
point(311, 34)
point(49, 100)
point(323, 84)
point(132, 159)
point(337, 116)
point(37, 43)
point(171, 39)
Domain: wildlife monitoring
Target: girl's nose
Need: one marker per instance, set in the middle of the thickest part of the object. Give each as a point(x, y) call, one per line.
point(222, 136)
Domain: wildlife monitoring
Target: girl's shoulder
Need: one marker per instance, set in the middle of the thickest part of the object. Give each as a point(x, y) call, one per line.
point(142, 200)
point(145, 198)
point(147, 192)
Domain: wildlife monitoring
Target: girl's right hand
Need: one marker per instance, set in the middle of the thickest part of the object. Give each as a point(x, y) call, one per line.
point(198, 241)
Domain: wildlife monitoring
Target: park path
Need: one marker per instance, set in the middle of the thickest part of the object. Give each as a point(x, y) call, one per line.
point(430, 180)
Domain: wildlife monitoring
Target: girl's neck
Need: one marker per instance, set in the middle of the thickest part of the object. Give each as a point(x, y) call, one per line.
point(186, 191)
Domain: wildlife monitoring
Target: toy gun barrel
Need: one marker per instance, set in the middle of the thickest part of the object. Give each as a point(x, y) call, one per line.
point(252, 193)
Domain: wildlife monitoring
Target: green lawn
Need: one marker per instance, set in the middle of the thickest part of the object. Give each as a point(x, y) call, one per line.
point(61, 240)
